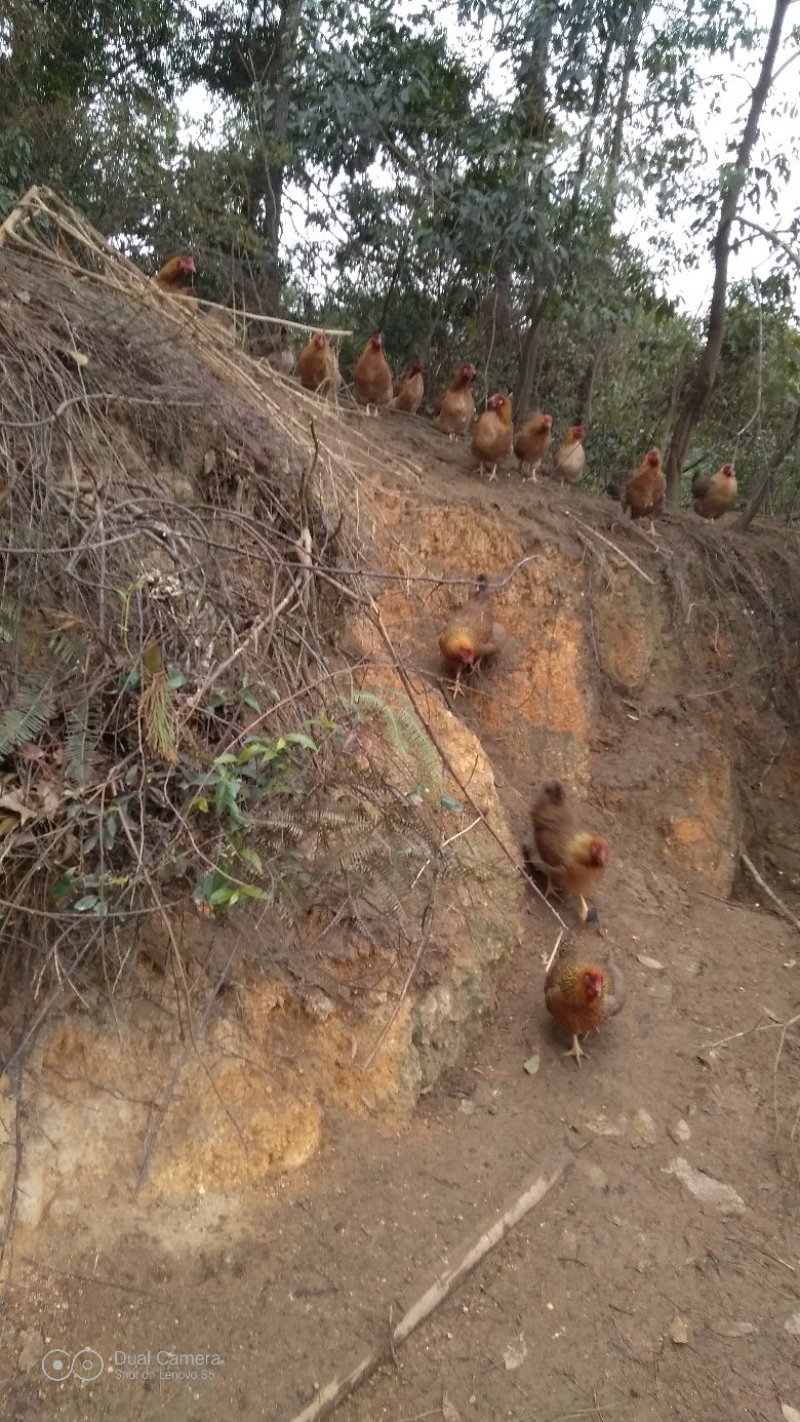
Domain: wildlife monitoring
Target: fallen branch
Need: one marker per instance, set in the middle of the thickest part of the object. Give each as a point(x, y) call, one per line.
point(770, 893)
point(428, 1293)
point(609, 544)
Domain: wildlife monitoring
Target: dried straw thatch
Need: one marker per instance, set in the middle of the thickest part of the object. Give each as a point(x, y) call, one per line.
point(159, 639)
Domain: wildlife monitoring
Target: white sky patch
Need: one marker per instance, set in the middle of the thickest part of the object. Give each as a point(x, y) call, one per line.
point(687, 278)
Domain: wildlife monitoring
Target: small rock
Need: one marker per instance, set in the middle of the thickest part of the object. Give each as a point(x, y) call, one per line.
point(643, 1265)
point(449, 1412)
point(651, 963)
point(732, 1328)
point(568, 1246)
point(705, 1188)
point(594, 1174)
point(514, 1354)
point(751, 1082)
point(467, 1107)
point(678, 1331)
point(531, 1066)
point(661, 992)
point(790, 1414)
point(681, 1132)
point(644, 1129)
point(32, 1350)
point(792, 1325)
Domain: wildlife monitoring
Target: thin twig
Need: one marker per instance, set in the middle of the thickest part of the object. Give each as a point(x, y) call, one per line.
point(770, 893)
point(609, 544)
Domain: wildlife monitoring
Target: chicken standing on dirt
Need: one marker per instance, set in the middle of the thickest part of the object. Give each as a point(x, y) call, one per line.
point(581, 992)
point(317, 365)
point(455, 409)
point(409, 388)
point(372, 378)
point(645, 489)
point(573, 859)
point(713, 494)
point(569, 460)
point(471, 633)
point(492, 434)
point(532, 441)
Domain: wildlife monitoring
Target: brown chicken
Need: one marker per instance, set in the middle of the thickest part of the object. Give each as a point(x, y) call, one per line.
point(532, 441)
point(645, 489)
point(581, 992)
point(317, 365)
point(569, 460)
point(276, 349)
point(713, 494)
point(455, 408)
point(409, 389)
point(172, 276)
point(471, 633)
point(372, 378)
point(492, 434)
point(572, 859)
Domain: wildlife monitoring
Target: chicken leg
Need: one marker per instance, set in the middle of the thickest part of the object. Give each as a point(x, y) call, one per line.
point(576, 1050)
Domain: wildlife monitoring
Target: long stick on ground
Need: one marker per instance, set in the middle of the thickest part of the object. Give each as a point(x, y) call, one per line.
point(428, 1293)
point(770, 893)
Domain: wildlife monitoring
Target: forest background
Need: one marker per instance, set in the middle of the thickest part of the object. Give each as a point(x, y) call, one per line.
point(592, 200)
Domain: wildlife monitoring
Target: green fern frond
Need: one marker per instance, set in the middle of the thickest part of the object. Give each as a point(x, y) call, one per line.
point(10, 618)
point(405, 732)
point(26, 719)
point(84, 729)
point(19, 535)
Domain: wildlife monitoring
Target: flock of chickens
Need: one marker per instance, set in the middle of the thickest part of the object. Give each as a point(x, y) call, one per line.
point(582, 990)
point(492, 433)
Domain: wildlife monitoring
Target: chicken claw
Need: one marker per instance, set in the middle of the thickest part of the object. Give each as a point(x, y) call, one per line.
point(576, 1051)
point(492, 472)
point(457, 687)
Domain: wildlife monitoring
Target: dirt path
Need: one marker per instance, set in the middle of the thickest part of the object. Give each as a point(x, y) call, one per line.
point(576, 1306)
point(571, 1317)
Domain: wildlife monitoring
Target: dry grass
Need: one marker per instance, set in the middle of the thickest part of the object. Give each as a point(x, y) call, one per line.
point(161, 496)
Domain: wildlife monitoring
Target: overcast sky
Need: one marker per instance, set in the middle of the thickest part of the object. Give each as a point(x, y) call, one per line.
point(727, 79)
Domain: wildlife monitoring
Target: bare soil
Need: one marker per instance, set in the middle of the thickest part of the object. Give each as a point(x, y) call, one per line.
point(620, 1296)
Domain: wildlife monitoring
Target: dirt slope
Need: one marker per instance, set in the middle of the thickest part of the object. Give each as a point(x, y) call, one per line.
point(667, 695)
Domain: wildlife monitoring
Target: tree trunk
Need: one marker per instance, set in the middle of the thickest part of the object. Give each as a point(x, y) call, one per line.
point(759, 495)
point(702, 382)
point(586, 390)
point(640, 9)
point(600, 80)
point(278, 83)
point(530, 356)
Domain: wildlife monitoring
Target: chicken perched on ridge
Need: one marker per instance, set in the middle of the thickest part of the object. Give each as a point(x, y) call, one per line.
point(317, 365)
point(572, 859)
point(569, 460)
point(532, 441)
point(713, 494)
point(492, 434)
point(372, 378)
point(471, 633)
point(455, 408)
point(172, 276)
point(581, 991)
point(645, 489)
point(409, 389)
